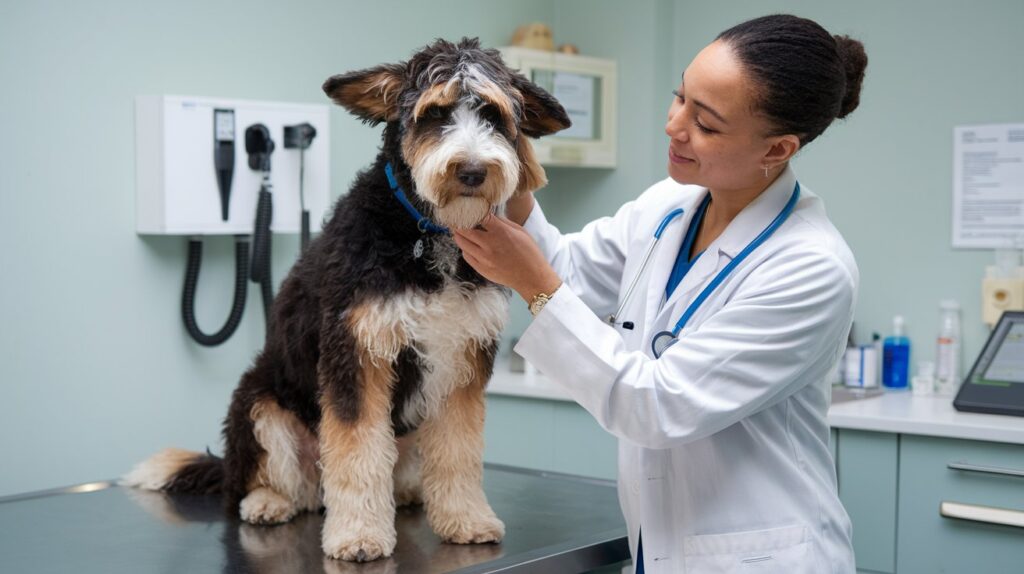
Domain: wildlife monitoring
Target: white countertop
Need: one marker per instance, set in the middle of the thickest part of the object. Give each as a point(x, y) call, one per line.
point(896, 412)
point(902, 412)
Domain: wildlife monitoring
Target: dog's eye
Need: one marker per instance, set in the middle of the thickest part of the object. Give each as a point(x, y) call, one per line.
point(434, 112)
point(491, 115)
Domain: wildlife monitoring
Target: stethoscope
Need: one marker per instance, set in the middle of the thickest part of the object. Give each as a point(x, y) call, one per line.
point(666, 339)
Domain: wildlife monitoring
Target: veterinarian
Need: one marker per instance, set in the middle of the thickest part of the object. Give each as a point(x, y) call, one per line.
point(711, 368)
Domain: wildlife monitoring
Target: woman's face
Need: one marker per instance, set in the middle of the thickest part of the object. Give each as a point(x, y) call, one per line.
point(717, 140)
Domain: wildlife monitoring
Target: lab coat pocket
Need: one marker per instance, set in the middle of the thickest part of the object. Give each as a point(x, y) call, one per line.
point(785, 550)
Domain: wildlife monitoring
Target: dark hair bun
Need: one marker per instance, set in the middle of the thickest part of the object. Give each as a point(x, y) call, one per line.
point(855, 60)
point(804, 77)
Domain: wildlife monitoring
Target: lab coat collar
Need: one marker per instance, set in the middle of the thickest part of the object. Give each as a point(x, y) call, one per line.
point(741, 231)
point(757, 215)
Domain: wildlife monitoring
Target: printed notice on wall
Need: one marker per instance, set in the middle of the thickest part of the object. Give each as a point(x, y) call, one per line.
point(988, 186)
point(576, 94)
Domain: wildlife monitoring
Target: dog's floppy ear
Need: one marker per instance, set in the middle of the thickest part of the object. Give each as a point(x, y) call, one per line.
point(371, 94)
point(531, 173)
point(542, 114)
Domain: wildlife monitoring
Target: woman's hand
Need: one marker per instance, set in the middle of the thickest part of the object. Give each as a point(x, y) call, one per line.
point(504, 253)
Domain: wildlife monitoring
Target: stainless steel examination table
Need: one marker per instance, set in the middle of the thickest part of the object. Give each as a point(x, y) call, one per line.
point(553, 523)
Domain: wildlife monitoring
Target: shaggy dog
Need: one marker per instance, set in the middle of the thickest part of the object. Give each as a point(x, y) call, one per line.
point(369, 391)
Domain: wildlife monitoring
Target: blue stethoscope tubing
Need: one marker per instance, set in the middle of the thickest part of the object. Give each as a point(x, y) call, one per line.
point(643, 264)
point(666, 339)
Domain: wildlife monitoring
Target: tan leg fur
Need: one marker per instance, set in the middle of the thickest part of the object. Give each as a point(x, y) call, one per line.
point(452, 448)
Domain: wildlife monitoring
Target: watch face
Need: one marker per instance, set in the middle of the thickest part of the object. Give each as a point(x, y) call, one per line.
point(538, 303)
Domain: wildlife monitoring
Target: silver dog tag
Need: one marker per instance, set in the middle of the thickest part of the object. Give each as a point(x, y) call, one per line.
point(417, 249)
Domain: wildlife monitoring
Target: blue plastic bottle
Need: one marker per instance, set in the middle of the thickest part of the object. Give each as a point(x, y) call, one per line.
point(896, 357)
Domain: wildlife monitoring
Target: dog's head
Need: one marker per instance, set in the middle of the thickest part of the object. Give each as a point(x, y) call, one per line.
point(461, 116)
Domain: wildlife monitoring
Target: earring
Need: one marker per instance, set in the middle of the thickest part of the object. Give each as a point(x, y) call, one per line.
point(766, 171)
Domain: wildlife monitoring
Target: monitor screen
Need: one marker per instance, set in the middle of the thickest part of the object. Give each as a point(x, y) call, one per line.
point(1006, 365)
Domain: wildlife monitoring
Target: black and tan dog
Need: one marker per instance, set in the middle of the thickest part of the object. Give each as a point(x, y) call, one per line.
point(370, 389)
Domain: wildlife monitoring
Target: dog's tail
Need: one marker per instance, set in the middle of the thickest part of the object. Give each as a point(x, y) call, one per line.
point(177, 470)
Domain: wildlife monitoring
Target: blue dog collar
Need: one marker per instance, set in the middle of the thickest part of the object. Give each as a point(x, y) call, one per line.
point(423, 223)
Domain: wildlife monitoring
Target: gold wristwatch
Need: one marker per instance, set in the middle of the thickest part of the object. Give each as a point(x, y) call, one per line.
point(540, 300)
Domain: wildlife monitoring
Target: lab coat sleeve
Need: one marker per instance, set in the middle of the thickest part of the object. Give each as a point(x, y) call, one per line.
point(787, 319)
point(590, 261)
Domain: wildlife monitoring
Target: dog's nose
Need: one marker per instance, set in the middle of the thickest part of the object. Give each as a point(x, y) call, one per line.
point(471, 175)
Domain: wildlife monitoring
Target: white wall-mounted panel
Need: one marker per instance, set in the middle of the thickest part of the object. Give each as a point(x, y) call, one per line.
point(176, 183)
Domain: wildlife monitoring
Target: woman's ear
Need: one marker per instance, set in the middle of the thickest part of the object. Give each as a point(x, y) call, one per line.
point(782, 149)
point(542, 114)
point(371, 94)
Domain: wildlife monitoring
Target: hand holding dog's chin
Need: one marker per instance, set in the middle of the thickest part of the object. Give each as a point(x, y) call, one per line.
point(504, 253)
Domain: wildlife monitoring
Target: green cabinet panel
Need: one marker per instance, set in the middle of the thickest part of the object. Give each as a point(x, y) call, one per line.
point(547, 435)
point(581, 446)
point(519, 432)
point(868, 465)
point(932, 544)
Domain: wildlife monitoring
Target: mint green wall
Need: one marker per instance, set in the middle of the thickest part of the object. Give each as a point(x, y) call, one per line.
point(637, 35)
point(96, 367)
point(562, 436)
point(886, 171)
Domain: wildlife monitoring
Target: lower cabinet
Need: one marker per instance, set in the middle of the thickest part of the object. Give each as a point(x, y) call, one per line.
point(968, 474)
point(867, 466)
point(548, 435)
point(894, 488)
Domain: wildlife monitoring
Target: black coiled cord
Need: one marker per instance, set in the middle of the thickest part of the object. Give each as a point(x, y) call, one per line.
point(188, 296)
point(259, 271)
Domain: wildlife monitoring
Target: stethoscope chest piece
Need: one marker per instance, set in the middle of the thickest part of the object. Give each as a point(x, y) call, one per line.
point(661, 342)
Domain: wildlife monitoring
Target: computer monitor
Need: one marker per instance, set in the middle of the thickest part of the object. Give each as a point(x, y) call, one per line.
point(996, 382)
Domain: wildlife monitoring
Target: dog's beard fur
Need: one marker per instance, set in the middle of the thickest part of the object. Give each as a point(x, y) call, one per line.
point(467, 138)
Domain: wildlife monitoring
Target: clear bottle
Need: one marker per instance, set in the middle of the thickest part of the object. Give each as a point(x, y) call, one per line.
point(947, 352)
point(896, 358)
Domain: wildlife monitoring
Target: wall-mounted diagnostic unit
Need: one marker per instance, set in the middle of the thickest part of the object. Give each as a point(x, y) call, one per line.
point(192, 174)
point(586, 88)
point(210, 166)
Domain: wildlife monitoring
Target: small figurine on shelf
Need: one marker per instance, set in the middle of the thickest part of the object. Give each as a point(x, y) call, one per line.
point(536, 35)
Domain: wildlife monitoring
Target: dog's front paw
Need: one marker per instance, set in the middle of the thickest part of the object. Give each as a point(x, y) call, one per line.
point(264, 506)
point(476, 529)
point(358, 544)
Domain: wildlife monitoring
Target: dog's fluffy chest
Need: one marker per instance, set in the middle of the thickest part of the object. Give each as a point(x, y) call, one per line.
point(443, 328)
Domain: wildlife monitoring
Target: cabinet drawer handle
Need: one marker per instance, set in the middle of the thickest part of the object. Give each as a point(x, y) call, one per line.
point(977, 513)
point(985, 469)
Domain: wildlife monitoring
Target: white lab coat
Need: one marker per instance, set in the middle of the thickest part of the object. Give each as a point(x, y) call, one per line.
point(723, 442)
